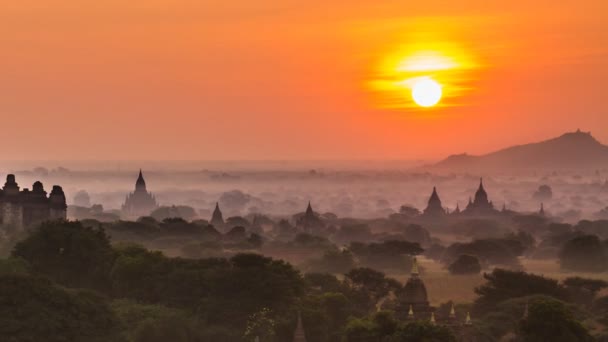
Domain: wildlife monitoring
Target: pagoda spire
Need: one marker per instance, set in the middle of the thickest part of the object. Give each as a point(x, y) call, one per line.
point(414, 272)
point(541, 212)
point(452, 311)
point(140, 184)
point(432, 320)
point(410, 313)
point(309, 210)
point(467, 321)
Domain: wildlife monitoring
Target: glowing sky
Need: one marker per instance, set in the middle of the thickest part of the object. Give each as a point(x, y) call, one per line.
point(294, 79)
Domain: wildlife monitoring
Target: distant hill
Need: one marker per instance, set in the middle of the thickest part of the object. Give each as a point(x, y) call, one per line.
point(575, 150)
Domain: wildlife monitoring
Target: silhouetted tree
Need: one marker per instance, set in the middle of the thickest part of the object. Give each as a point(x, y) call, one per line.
point(549, 320)
point(69, 253)
point(465, 264)
point(585, 254)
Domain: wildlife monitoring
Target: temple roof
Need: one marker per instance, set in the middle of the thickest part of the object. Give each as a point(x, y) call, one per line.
point(309, 210)
point(140, 184)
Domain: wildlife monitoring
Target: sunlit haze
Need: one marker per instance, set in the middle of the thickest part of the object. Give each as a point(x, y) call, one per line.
point(290, 79)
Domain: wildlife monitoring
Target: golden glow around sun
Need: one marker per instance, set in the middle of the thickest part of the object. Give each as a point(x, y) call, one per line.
point(426, 92)
point(436, 74)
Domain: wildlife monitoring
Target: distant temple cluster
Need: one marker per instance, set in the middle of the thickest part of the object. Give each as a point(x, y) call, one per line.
point(140, 202)
point(480, 205)
point(25, 208)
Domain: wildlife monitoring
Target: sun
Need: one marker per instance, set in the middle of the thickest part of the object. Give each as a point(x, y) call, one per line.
point(426, 92)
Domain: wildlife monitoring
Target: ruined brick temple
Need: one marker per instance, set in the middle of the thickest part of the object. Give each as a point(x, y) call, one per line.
point(25, 208)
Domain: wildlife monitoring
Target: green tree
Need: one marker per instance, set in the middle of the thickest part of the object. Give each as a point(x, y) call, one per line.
point(33, 309)
point(549, 320)
point(465, 264)
point(260, 325)
point(584, 254)
point(503, 284)
point(69, 253)
point(423, 332)
point(368, 286)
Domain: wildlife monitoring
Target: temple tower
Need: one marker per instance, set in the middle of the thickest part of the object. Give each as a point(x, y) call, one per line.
point(140, 202)
point(434, 207)
point(217, 219)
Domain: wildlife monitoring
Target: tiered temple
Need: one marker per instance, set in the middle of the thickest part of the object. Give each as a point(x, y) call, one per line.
point(140, 202)
point(434, 207)
point(309, 222)
point(481, 205)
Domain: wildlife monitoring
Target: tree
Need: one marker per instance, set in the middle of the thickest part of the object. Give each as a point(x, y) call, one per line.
point(69, 253)
point(409, 211)
point(503, 284)
point(260, 325)
point(544, 193)
point(582, 290)
point(492, 251)
point(584, 254)
point(465, 264)
point(182, 211)
point(424, 332)
point(549, 320)
point(387, 255)
point(33, 309)
point(368, 286)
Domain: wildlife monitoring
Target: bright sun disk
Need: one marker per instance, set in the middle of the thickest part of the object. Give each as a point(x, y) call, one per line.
point(426, 92)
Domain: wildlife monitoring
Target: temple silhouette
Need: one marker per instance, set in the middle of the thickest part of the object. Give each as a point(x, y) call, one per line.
point(140, 202)
point(217, 219)
point(481, 205)
point(412, 304)
point(24, 208)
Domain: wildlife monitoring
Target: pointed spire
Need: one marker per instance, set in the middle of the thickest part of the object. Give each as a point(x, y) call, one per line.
point(309, 210)
point(410, 312)
point(432, 320)
point(541, 212)
point(481, 184)
point(452, 311)
point(457, 210)
point(140, 184)
point(217, 220)
point(414, 272)
point(468, 319)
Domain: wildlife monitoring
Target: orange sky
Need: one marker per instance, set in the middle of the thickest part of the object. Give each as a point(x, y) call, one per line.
point(288, 79)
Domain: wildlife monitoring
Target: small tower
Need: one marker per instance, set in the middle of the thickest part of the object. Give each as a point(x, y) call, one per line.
point(541, 212)
point(452, 312)
point(309, 211)
point(432, 320)
point(410, 313)
point(414, 272)
point(217, 220)
point(140, 184)
point(434, 207)
point(57, 203)
point(468, 321)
